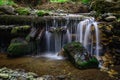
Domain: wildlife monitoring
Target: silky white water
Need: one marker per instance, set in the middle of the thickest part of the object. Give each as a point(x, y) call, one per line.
point(86, 32)
point(84, 35)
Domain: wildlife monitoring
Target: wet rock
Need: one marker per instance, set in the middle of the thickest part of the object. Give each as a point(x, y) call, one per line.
point(6, 27)
point(112, 73)
point(7, 9)
point(58, 30)
point(21, 31)
point(19, 47)
point(32, 74)
point(4, 76)
point(78, 55)
point(48, 77)
point(9, 74)
point(110, 18)
point(61, 77)
point(40, 78)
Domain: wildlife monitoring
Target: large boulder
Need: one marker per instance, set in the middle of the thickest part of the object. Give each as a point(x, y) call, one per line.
point(19, 47)
point(78, 55)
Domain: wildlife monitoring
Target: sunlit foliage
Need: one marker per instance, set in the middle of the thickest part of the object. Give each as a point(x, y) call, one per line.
point(6, 2)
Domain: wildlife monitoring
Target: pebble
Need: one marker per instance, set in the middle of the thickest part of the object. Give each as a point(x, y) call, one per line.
point(9, 74)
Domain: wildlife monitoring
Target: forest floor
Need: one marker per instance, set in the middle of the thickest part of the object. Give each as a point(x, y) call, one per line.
point(44, 66)
point(67, 7)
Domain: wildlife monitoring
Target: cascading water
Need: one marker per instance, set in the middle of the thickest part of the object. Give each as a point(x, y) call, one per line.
point(85, 35)
point(48, 37)
point(59, 34)
point(56, 38)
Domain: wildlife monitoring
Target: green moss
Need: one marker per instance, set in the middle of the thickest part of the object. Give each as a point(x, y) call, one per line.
point(23, 11)
point(93, 62)
point(79, 56)
point(19, 29)
point(14, 30)
point(19, 47)
point(85, 1)
point(42, 12)
point(74, 46)
point(26, 27)
point(7, 2)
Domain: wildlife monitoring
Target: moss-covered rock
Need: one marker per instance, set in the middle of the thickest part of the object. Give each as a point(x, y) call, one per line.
point(78, 55)
point(19, 47)
point(20, 30)
point(23, 11)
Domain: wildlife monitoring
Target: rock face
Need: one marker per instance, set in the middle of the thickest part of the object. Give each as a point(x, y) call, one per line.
point(19, 47)
point(107, 6)
point(78, 55)
point(7, 32)
point(110, 39)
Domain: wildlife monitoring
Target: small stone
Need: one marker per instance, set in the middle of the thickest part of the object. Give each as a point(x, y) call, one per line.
point(48, 77)
point(32, 74)
point(40, 78)
point(4, 76)
point(61, 77)
point(110, 18)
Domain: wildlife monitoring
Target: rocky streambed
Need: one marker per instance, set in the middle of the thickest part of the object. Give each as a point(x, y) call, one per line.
point(38, 68)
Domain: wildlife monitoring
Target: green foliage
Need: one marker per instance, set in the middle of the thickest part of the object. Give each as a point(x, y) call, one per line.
point(59, 1)
point(23, 11)
point(6, 2)
point(42, 12)
point(85, 1)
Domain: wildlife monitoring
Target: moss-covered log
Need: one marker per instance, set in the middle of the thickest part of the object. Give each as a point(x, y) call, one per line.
point(41, 21)
point(14, 19)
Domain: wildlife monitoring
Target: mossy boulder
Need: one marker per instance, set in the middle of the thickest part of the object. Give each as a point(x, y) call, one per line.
point(78, 55)
point(19, 47)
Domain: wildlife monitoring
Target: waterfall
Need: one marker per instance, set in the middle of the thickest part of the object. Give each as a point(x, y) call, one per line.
point(68, 36)
point(84, 35)
point(58, 34)
point(48, 37)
